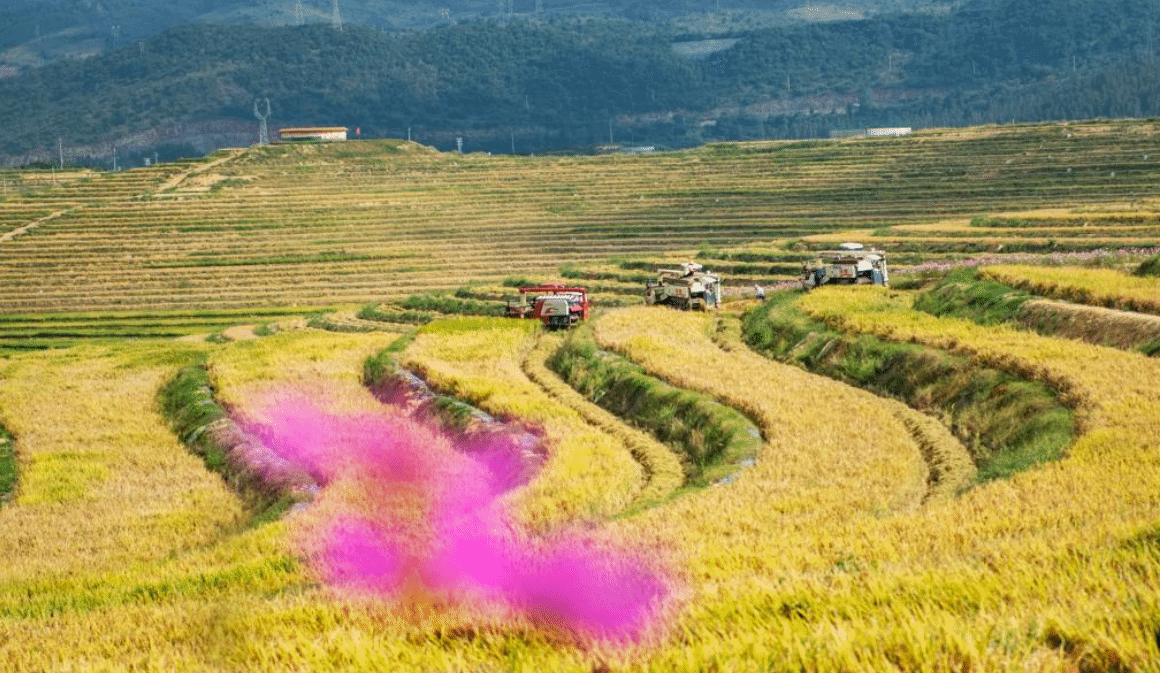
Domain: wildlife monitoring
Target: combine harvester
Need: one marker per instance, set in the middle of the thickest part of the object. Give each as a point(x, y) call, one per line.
point(556, 305)
point(851, 264)
point(690, 287)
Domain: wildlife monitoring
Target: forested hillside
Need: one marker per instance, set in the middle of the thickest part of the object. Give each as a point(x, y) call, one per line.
point(34, 32)
point(533, 85)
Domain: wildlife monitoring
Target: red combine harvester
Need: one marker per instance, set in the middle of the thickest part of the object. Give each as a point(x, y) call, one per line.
point(556, 305)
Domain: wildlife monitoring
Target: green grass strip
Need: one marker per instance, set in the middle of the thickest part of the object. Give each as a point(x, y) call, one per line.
point(966, 294)
point(1149, 267)
point(7, 465)
point(187, 402)
point(962, 295)
point(711, 439)
point(389, 382)
point(452, 305)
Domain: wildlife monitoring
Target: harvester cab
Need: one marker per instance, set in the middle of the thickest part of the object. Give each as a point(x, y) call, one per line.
point(851, 264)
point(556, 305)
point(690, 287)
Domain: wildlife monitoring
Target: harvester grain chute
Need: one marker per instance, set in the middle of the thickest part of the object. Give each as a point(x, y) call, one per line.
point(556, 305)
point(690, 287)
point(851, 264)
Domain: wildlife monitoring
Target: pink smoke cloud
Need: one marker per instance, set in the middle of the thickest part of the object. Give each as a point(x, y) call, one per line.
point(432, 518)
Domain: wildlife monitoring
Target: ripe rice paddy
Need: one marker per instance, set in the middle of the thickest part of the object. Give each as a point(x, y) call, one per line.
point(858, 540)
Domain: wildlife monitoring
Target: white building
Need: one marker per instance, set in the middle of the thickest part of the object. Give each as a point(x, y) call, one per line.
point(315, 133)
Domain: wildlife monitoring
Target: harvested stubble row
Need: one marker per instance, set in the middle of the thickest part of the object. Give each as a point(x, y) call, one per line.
point(1104, 227)
point(1095, 324)
point(278, 206)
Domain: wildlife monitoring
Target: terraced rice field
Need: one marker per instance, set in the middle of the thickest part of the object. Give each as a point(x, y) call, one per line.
point(862, 535)
point(321, 226)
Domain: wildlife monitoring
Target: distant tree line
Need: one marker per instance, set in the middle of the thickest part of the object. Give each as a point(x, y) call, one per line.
point(542, 85)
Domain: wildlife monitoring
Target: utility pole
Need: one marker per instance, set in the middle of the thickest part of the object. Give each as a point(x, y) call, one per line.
point(263, 131)
point(60, 148)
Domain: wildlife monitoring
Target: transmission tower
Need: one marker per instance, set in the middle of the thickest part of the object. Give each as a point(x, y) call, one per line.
point(337, 18)
point(298, 20)
point(263, 131)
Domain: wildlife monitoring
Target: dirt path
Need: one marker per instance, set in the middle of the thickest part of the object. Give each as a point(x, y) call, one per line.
point(240, 332)
point(176, 180)
point(36, 223)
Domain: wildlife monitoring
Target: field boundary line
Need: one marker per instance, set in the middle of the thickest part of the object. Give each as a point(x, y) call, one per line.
point(36, 223)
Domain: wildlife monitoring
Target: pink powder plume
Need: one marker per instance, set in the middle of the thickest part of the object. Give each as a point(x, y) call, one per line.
point(451, 534)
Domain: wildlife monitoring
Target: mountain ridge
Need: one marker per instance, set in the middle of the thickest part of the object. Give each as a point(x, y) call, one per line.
point(36, 32)
point(533, 85)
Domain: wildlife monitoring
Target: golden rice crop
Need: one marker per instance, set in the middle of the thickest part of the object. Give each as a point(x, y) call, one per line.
point(589, 473)
point(1069, 518)
point(89, 441)
point(970, 582)
point(148, 570)
point(322, 365)
point(948, 461)
point(1100, 287)
point(811, 423)
point(662, 468)
point(823, 556)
